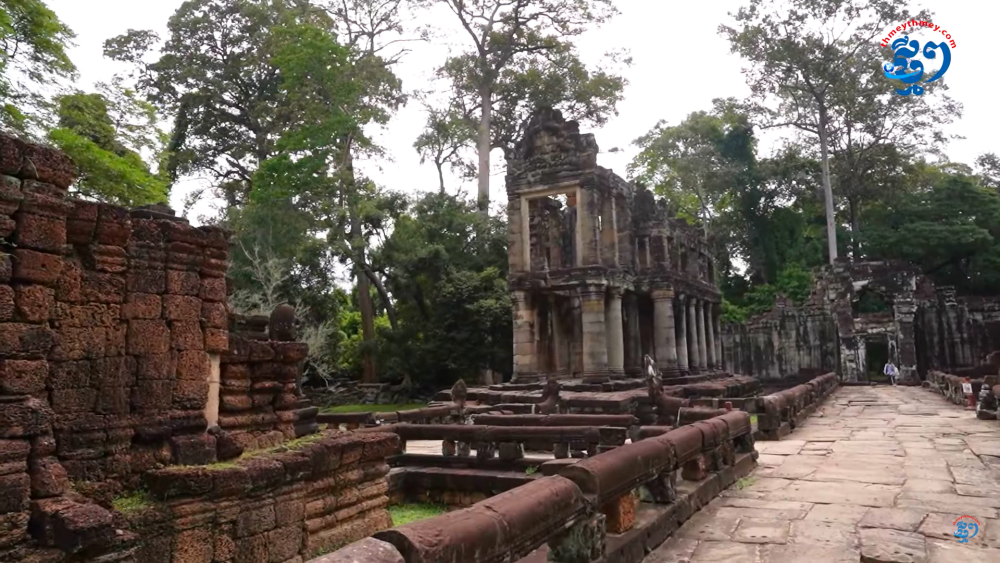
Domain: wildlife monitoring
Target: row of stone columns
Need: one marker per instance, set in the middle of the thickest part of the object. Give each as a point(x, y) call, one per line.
point(690, 343)
point(689, 340)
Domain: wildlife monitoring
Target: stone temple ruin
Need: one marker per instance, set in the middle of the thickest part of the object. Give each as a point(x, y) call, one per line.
point(861, 315)
point(601, 275)
point(141, 421)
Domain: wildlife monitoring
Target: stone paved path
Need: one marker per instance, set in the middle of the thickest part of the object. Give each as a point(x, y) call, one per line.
point(877, 474)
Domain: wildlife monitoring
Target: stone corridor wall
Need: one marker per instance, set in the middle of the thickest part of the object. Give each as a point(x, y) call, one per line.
point(924, 327)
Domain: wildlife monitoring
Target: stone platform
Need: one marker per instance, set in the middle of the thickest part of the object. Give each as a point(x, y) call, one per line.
point(875, 474)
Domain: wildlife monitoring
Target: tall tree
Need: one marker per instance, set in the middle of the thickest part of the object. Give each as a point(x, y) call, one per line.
point(333, 95)
point(799, 52)
point(215, 76)
point(988, 166)
point(105, 133)
point(522, 53)
point(33, 44)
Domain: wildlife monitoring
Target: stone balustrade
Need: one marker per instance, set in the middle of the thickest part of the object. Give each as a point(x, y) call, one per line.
point(582, 511)
point(780, 412)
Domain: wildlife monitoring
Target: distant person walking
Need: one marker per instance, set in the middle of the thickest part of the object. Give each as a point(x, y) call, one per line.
point(891, 371)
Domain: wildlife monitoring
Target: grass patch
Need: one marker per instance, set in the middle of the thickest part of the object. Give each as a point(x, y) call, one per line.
point(531, 470)
point(133, 502)
point(414, 512)
point(373, 408)
point(744, 483)
point(753, 420)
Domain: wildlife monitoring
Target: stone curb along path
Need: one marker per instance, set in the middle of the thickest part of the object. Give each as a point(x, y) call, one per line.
point(876, 474)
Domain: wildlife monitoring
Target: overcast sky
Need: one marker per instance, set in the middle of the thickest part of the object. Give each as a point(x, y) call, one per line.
point(680, 63)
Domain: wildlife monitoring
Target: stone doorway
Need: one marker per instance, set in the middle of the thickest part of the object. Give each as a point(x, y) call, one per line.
point(876, 355)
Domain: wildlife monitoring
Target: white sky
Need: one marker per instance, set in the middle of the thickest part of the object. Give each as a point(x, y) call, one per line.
point(680, 63)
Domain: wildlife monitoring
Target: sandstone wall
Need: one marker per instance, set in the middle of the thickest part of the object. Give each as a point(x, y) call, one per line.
point(275, 508)
point(116, 360)
point(781, 344)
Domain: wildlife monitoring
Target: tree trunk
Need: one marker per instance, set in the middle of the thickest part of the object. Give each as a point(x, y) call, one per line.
point(367, 314)
point(390, 309)
point(855, 228)
point(367, 311)
point(440, 175)
point(831, 219)
point(483, 145)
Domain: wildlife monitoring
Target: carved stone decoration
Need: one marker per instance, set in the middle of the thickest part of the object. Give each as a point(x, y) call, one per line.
point(281, 326)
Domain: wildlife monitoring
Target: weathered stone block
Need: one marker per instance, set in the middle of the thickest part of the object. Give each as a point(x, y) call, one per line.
point(102, 287)
point(36, 267)
point(252, 550)
point(284, 543)
point(14, 492)
point(193, 450)
point(152, 395)
point(79, 343)
point(31, 417)
point(23, 377)
point(141, 280)
point(48, 478)
point(112, 400)
point(142, 306)
point(154, 366)
point(35, 303)
point(6, 267)
point(66, 401)
point(113, 225)
point(47, 165)
point(25, 340)
point(186, 335)
point(620, 514)
point(180, 282)
point(81, 222)
point(214, 315)
point(39, 232)
point(181, 308)
point(193, 546)
point(6, 303)
point(213, 289)
point(147, 337)
point(190, 394)
point(192, 365)
point(216, 340)
point(255, 521)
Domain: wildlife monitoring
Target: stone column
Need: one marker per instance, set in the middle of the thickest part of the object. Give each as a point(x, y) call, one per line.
point(694, 352)
point(719, 362)
point(664, 339)
point(682, 347)
point(614, 332)
point(699, 315)
point(595, 342)
point(633, 345)
point(713, 359)
point(525, 364)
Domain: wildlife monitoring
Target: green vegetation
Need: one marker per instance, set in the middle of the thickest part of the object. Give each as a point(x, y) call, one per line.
point(276, 108)
point(413, 512)
point(531, 470)
point(133, 502)
point(744, 483)
point(374, 408)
